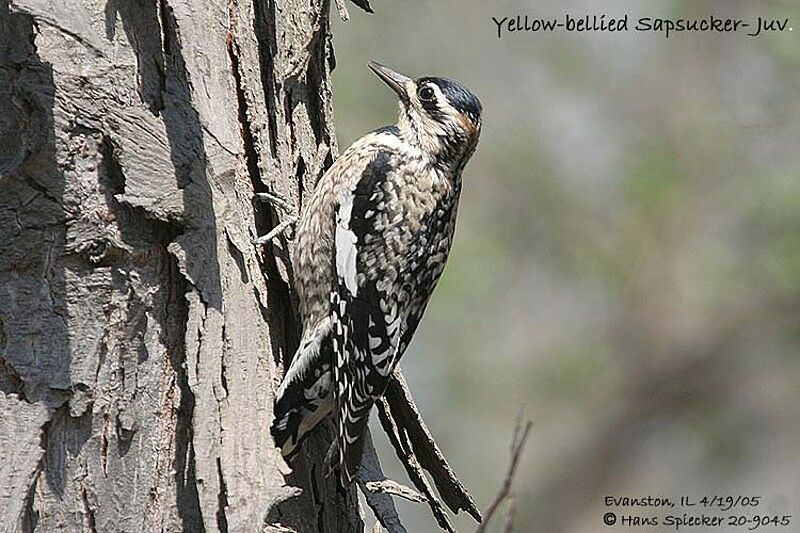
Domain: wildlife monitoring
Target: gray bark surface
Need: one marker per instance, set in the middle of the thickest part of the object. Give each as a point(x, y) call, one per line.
point(142, 334)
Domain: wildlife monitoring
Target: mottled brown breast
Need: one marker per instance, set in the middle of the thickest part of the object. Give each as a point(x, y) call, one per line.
point(312, 259)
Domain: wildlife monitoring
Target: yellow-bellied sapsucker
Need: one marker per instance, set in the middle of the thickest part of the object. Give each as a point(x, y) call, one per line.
point(370, 246)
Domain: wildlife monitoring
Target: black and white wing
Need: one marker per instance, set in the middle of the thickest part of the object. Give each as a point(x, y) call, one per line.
point(304, 398)
point(366, 305)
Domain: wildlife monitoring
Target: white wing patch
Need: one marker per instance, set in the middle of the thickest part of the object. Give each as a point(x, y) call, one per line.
point(345, 242)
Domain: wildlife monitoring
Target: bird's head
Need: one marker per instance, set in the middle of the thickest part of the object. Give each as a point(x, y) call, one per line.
point(441, 116)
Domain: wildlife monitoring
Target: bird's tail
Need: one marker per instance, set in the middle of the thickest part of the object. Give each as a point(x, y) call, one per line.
point(345, 452)
point(304, 398)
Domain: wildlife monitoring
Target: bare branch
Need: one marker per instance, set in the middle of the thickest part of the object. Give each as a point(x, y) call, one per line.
point(341, 7)
point(277, 528)
point(404, 412)
point(394, 488)
point(517, 444)
point(398, 436)
point(512, 511)
point(370, 478)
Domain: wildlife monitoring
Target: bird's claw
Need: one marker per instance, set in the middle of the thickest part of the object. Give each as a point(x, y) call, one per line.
point(274, 232)
point(276, 200)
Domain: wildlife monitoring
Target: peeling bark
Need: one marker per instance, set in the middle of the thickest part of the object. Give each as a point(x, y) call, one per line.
point(403, 423)
point(141, 332)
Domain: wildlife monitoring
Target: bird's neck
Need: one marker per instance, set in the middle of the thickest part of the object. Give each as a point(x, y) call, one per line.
point(440, 150)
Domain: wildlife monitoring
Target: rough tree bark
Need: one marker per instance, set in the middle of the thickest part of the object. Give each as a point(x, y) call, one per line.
point(141, 331)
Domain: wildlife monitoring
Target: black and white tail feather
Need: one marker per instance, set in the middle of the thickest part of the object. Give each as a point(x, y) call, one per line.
point(303, 398)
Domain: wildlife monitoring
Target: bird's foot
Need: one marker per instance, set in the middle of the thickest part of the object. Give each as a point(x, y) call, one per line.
point(279, 202)
point(276, 200)
point(276, 231)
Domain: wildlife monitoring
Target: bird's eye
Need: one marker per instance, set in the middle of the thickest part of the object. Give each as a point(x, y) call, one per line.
point(426, 94)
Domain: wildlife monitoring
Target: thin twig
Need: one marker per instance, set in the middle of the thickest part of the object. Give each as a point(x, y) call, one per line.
point(404, 411)
point(370, 477)
point(511, 514)
point(398, 437)
point(393, 488)
point(341, 7)
point(517, 444)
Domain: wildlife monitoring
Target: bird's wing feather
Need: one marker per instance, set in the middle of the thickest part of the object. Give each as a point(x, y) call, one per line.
point(366, 321)
point(303, 398)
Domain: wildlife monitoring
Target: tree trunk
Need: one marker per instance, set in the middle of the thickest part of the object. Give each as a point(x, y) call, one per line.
point(142, 334)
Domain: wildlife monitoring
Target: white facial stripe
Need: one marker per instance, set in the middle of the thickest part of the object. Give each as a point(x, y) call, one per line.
point(418, 128)
point(450, 113)
point(441, 99)
point(442, 102)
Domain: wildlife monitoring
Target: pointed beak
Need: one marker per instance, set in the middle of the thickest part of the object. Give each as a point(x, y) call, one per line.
point(393, 79)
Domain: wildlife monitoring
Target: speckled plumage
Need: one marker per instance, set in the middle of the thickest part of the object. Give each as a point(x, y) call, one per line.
point(370, 247)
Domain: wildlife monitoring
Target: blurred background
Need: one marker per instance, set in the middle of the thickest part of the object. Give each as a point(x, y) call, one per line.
point(627, 261)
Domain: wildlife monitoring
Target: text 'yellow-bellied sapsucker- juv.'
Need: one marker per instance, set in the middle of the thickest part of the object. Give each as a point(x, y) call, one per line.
point(370, 246)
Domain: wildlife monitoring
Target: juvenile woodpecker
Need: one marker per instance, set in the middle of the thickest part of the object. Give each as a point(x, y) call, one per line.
point(370, 246)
